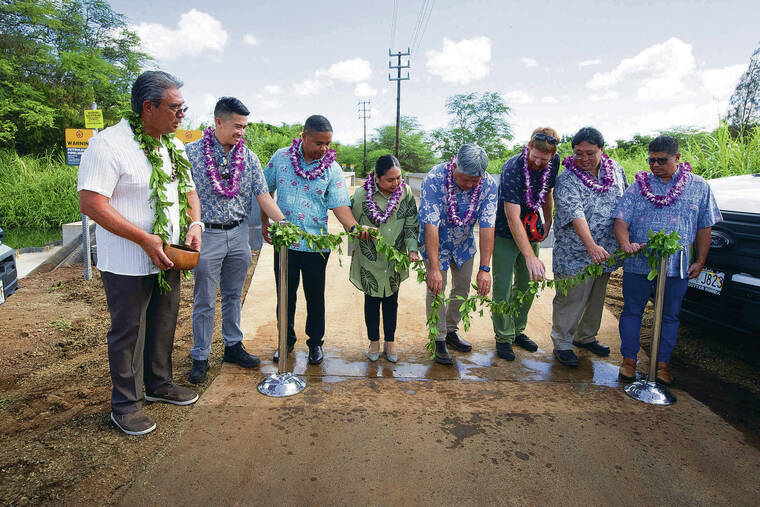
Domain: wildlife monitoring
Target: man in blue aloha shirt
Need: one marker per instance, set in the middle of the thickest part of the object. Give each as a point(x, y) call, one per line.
point(308, 183)
point(669, 198)
point(585, 198)
point(226, 191)
point(447, 240)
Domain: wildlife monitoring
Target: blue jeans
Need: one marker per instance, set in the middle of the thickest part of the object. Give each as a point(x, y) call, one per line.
point(636, 291)
point(223, 264)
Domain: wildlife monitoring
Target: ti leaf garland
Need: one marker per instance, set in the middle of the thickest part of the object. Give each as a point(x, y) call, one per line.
point(659, 245)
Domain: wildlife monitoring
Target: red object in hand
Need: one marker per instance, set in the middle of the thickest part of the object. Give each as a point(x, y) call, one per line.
point(534, 227)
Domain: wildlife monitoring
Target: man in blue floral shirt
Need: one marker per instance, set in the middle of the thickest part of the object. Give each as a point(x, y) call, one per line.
point(227, 176)
point(308, 183)
point(585, 197)
point(669, 198)
point(452, 198)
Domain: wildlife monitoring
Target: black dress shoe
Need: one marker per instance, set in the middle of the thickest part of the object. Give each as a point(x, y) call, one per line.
point(595, 347)
point(315, 354)
point(504, 351)
point(526, 343)
point(566, 357)
point(442, 355)
point(456, 342)
point(238, 355)
point(276, 356)
point(198, 372)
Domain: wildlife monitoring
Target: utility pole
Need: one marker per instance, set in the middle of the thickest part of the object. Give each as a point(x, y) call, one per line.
point(364, 113)
point(398, 80)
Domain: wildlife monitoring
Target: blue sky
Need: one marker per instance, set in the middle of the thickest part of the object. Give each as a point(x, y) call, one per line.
point(625, 67)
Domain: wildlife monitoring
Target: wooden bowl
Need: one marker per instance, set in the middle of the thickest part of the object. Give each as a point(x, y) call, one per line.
point(182, 256)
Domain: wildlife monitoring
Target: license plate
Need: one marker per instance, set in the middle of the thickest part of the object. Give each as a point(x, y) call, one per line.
point(709, 280)
point(2, 293)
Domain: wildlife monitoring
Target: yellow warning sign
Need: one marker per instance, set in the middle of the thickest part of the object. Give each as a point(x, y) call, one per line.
point(78, 138)
point(93, 118)
point(188, 136)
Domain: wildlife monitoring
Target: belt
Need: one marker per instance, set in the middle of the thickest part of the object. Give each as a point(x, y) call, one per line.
point(224, 227)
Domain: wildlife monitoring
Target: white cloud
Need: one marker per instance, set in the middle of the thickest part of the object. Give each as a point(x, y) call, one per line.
point(273, 89)
point(588, 63)
point(347, 71)
point(528, 62)
point(364, 90)
point(549, 100)
point(518, 97)
point(269, 103)
point(195, 32)
point(461, 62)
point(250, 39)
point(721, 83)
point(658, 71)
point(596, 97)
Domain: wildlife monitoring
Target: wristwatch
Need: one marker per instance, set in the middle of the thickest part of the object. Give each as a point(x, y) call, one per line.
point(200, 224)
point(485, 268)
point(353, 228)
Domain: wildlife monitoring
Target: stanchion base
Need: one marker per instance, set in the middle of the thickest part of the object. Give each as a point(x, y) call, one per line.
point(280, 385)
point(650, 392)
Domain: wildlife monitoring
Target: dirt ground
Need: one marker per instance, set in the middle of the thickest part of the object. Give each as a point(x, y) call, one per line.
point(58, 445)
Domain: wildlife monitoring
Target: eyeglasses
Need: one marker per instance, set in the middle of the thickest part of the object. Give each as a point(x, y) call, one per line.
point(658, 160)
point(178, 109)
point(545, 137)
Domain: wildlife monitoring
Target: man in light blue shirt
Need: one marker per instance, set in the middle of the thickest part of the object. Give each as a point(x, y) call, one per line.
point(446, 236)
point(669, 198)
point(308, 183)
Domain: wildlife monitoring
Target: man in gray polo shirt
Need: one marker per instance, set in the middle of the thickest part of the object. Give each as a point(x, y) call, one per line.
point(227, 175)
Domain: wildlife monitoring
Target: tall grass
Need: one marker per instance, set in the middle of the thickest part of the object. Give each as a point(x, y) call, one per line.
point(37, 191)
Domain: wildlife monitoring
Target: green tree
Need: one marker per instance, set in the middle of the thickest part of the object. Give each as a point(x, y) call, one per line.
point(264, 139)
point(414, 152)
point(744, 106)
point(57, 57)
point(476, 118)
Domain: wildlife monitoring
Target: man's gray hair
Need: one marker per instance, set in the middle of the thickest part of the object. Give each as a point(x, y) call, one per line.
point(472, 160)
point(152, 85)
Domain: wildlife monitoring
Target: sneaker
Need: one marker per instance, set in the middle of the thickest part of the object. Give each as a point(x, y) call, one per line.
point(198, 372)
point(174, 394)
point(566, 357)
point(504, 351)
point(238, 355)
point(442, 355)
point(523, 341)
point(595, 347)
point(134, 423)
point(628, 369)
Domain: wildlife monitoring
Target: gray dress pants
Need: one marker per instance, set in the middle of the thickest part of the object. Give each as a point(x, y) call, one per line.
point(223, 264)
point(141, 336)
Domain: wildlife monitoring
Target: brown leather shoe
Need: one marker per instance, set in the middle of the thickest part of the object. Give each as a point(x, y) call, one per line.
point(664, 376)
point(628, 369)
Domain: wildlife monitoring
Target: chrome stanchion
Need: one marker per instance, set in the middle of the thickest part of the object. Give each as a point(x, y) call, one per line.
point(647, 389)
point(282, 383)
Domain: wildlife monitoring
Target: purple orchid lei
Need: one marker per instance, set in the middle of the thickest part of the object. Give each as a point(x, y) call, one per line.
point(295, 161)
point(212, 168)
point(607, 180)
point(539, 201)
point(376, 215)
point(452, 198)
point(660, 201)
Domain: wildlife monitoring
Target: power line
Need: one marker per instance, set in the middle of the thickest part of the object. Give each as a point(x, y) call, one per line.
point(364, 113)
point(418, 23)
point(424, 28)
point(398, 80)
point(394, 23)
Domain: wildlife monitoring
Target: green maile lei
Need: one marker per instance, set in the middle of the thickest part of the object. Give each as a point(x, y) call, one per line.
point(158, 181)
point(660, 244)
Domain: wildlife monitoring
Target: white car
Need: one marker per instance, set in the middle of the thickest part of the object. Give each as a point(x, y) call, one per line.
point(8, 273)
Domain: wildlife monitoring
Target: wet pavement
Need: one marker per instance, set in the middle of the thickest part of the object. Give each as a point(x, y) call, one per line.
point(484, 431)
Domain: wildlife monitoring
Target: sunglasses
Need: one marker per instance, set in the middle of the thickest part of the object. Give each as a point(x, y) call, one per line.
point(658, 160)
point(545, 137)
point(178, 109)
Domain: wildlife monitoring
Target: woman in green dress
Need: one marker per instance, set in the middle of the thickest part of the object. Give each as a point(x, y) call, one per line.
point(384, 202)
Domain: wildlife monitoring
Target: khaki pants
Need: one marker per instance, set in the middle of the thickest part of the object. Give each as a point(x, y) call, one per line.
point(449, 315)
point(578, 315)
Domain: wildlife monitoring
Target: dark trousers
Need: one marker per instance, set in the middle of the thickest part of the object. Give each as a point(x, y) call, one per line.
point(312, 266)
point(141, 336)
point(372, 316)
point(636, 291)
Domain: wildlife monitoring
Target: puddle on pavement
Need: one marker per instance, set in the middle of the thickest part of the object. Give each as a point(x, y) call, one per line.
point(484, 365)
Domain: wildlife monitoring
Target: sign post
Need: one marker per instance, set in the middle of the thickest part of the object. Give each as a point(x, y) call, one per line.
point(647, 389)
point(93, 118)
